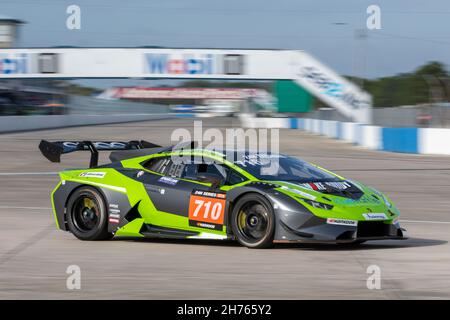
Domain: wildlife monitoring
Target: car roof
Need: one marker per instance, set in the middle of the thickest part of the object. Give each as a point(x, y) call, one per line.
point(116, 156)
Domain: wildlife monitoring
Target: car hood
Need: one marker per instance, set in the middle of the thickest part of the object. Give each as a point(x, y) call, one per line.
point(349, 199)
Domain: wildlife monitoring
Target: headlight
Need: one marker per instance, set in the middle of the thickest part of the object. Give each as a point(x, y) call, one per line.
point(386, 201)
point(298, 192)
point(319, 205)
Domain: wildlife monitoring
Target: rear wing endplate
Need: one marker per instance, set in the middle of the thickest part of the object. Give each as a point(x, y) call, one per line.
point(53, 150)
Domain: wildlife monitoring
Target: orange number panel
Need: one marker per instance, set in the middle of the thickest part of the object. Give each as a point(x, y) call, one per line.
point(207, 209)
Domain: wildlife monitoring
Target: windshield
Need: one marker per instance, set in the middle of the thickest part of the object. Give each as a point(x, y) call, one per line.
point(283, 168)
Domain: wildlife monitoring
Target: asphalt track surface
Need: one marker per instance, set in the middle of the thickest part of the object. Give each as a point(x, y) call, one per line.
point(34, 256)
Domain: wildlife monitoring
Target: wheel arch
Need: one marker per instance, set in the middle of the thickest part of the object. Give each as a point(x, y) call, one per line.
point(235, 196)
point(73, 190)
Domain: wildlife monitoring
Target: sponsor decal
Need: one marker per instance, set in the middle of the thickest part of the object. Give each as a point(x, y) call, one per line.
point(99, 145)
point(299, 192)
point(342, 222)
point(207, 209)
point(319, 186)
point(113, 205)
point(164, 63)
point(168, 180)
point(186, 93)
point(114, 217)
point(15, 63)
point(140, 174)
point(374, 216)
point(332, 88)
point(99, 175)
point(258, 159)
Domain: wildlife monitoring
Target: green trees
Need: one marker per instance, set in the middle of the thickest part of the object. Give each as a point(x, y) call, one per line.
point(428, 83)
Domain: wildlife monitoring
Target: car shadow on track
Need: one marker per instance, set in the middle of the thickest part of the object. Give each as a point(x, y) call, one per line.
point(370, 245)
point(201, 242)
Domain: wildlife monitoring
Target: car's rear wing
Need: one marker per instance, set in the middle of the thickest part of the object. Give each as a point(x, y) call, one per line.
point(53, 150)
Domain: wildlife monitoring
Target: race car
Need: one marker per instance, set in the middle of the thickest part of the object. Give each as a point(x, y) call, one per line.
point(186, 192)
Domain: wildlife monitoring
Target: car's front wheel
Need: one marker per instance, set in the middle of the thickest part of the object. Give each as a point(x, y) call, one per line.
point(253, 222)
point(87, 215)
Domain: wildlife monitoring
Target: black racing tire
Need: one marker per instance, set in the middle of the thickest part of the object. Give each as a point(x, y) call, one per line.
point(87, 215)
point(253, 221)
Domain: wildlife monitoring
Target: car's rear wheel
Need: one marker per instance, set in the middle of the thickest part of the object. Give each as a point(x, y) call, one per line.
point(87, 215)
point(253, 222)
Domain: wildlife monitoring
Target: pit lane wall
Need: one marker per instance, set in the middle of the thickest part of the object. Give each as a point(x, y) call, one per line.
point(405, 140)
point(29, 123)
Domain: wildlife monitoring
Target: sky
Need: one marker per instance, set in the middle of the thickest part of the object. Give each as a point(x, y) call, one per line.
point(412, 32)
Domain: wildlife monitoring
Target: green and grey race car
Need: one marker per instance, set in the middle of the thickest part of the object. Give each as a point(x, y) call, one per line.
point(186, 192)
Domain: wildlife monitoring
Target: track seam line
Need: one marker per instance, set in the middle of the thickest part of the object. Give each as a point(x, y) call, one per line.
point(28, 208)
point(25, 244)
point(425, 221)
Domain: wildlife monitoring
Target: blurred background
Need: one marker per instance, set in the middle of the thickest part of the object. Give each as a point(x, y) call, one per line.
point(403, 65)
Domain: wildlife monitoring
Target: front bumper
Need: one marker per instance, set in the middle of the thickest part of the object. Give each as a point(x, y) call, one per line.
point(315, 230)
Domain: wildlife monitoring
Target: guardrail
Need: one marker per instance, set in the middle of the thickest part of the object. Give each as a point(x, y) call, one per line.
point(405, 140)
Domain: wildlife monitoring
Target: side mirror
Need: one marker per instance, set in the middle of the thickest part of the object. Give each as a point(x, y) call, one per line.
point(214, 179)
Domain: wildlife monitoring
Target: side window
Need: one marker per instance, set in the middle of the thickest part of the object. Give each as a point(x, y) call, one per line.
point(190, 171)
point(194, 171)
point(175, 170)
point(158, 165)
point(227, 175)
point(235, 177)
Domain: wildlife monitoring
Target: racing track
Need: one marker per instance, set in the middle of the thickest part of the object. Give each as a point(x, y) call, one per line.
point(34, 255)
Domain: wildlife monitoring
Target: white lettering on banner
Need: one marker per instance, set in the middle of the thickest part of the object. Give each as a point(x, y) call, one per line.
point(331, 88)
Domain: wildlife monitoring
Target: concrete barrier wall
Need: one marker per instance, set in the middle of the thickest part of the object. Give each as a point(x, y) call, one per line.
point(28, 123)
point(434, 141)
point(395, 117)
point(92, 105)
point(408, 140)
point(400, 139)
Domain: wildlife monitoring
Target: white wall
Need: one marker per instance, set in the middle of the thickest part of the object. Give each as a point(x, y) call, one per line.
point(371, 137)
point(434, 141)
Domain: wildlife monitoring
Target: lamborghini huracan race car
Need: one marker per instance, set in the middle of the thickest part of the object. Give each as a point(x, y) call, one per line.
point(186, 192)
